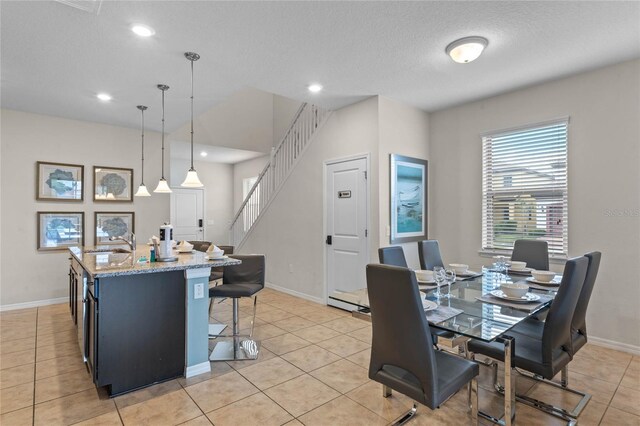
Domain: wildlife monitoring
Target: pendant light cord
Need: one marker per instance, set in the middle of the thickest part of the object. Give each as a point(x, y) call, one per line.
point(191, 115)
point(142, 176)
point(163, 133)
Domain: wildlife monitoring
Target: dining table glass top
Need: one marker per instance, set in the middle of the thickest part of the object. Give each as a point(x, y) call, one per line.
point(477, 319)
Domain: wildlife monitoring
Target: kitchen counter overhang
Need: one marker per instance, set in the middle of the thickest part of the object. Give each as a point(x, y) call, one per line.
point(114, 260)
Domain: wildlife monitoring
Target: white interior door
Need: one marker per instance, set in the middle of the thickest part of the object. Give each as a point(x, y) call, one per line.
point(187, 214)
point(347, 211)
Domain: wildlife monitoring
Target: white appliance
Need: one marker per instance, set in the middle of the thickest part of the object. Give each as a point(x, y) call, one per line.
point(164, 251)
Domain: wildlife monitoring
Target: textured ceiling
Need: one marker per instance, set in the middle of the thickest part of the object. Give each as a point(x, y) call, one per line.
point(56, 58)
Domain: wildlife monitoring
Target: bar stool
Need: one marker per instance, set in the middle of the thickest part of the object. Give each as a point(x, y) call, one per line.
point(244, 280)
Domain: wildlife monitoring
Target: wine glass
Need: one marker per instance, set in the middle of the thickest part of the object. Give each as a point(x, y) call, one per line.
point(439, 277)
point(450, 277)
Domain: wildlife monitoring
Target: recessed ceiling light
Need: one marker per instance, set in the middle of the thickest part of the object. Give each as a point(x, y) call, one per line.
point(315, 88)
point(466, 49)
point(143, 30)
point(104, 97)
point(203, 153)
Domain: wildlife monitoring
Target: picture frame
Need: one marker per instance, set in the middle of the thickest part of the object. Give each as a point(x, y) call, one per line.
point(112, 224)
point(59, 230)
point(408, 199)
point(59, 182)
point(112, 184)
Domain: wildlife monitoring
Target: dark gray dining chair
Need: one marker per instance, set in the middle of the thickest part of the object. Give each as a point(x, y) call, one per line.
point(201, 246)
point(534, 252)
point(429, 254)
point(244, 280)
point(402, 358)
point(549, 352)
point(393, 255)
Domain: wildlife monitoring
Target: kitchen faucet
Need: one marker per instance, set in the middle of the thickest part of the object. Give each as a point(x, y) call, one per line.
point(132, 242)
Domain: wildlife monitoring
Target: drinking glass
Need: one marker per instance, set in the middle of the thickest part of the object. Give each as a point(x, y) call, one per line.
point(450, 277)
point(440, 278)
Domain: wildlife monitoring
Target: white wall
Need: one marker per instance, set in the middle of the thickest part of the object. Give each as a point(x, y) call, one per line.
point(26, 274)
point(403, 130)
point(243, 170)
point(291, 230)
point(218, 188)
point(243, 121)
point(604, 181)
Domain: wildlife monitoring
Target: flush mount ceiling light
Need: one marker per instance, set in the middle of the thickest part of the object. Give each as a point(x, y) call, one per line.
point(466, 49)
point(142, 189)
point(162, 187)
point(203, 154)
point(192, 181)
point(143, 30)
point(104, 97)
point(315, 88)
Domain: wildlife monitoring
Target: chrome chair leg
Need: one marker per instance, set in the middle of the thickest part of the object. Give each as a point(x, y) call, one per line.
point(406, 416)
point(386, 391)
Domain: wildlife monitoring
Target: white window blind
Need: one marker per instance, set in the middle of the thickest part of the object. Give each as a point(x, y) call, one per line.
point(524, 185)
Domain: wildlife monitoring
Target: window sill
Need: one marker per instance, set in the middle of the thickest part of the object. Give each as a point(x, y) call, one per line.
point(560, 260)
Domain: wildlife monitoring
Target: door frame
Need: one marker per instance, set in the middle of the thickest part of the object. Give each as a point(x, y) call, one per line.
point(204, 207)
point(362, 156)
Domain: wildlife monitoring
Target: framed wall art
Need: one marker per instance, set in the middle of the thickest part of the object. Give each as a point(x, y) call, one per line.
point(59, 182)
point(60, 230)
point(112, 184)
point(408, 199)
point(113, 224)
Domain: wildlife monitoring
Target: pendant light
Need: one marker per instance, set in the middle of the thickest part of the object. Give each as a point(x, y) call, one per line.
point(163, 187)
point(192, 181)
point(142, 190)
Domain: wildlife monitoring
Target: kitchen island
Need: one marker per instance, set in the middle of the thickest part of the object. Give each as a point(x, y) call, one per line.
point(140, 323)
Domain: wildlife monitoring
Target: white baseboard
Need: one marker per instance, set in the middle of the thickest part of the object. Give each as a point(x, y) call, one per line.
point(624, 347)
point(34, 304)
point(194, 370)
point(296, 293)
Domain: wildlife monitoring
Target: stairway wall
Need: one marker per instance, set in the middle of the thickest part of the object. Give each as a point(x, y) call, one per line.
point(290, 232)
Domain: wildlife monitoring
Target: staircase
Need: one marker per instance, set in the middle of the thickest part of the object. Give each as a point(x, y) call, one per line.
point(284, 157)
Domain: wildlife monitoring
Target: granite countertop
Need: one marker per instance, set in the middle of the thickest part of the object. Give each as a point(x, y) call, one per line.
point(99, 263)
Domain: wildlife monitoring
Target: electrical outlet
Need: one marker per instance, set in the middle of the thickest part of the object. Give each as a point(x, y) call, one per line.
point(198, 291)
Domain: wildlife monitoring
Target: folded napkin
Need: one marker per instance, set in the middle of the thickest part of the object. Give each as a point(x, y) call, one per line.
point(214, 249)
point(185, 246)
point(527, 307)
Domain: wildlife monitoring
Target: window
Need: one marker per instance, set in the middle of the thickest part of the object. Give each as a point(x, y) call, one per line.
point(524, 187)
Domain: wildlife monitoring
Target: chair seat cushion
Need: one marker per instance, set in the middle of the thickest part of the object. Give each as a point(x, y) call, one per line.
point(235, 290)
point(528, 354)
point(453, 373)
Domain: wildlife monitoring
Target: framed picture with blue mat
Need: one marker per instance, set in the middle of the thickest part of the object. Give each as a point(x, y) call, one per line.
point(408, 199)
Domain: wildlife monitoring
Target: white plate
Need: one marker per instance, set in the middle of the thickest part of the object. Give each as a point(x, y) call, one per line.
point(553, 283)
point(429, 305)
point(217, 258)
point(426, 282)
point(529, 297)
point(524, 271)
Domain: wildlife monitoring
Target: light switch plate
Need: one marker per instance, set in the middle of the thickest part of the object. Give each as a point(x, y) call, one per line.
point(198, 291)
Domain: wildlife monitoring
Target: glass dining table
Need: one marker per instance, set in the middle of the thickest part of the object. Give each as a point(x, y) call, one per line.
point(471, 312)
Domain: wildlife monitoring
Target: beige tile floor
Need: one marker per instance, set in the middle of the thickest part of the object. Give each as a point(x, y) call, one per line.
point(312, 370)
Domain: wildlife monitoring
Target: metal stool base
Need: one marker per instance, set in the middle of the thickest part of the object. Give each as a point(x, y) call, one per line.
point(243, 350)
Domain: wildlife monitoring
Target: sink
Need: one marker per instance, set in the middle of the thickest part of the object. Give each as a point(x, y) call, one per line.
point(107, 250)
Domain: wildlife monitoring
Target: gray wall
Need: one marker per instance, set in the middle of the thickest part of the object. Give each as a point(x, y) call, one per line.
point(26, 274)
point(604, 178)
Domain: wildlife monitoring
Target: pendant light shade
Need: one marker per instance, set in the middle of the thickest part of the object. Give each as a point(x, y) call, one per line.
point(192, 180)
point(142, 189)
point(162, 187)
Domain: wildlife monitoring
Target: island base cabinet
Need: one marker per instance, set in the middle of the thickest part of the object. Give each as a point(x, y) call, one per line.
point(138, 333)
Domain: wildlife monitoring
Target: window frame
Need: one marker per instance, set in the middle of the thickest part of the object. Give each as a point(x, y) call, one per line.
point(485, 251)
